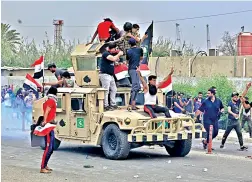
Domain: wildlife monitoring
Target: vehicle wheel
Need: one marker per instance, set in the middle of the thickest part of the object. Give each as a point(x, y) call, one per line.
point(115, 143)
point(181, 148)
point(55, 146)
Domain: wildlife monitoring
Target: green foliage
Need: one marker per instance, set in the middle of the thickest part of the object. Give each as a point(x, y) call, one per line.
point(28, 51)
point(162, 47)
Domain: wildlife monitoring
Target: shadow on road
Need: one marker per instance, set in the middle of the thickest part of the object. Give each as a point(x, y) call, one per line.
point(93, 151)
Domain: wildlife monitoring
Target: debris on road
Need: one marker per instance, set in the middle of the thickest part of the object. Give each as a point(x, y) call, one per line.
point(249, 157)
point(88, 166)
point(169, 161)
point(86, 156)
point(12, 156)
point(105, 167)
point(178, 177)
point(205, 169)
point(189, 165)
point(136, 176)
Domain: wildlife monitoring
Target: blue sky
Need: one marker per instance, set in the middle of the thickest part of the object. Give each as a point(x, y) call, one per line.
point(91, 13)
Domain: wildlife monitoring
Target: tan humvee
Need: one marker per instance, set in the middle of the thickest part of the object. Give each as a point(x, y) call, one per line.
point(81, 119)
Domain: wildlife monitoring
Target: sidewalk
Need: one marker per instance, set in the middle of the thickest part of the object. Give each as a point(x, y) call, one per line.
point(233, 136)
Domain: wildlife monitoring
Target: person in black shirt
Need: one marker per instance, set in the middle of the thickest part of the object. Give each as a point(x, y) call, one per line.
point(233, 120)
point(211, 108)
point(107, 75)
point(133, 57)
point(246, 116)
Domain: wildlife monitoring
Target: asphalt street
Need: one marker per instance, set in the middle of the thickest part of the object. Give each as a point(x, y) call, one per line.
point(20, 162)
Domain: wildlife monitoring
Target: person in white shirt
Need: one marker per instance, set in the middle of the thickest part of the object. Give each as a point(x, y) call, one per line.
point(150, 95)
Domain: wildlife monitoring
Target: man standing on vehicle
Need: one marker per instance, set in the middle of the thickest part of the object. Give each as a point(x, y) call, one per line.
point(107, 76)
point(133, 57)
point(233, 119)
point(211, 108)
point(150, 95)
point(57, 72)
point(49, 108)
point(103, 31)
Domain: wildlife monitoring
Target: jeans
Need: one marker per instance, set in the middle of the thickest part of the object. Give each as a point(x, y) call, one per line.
point(108, 83)
point(135, 85)
point(237, 128)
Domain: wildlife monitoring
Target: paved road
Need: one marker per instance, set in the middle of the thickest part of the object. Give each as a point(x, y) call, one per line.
point(20, 162)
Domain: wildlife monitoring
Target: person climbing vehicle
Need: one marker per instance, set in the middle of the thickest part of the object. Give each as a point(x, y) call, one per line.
point(106, 31)
point(65, 81)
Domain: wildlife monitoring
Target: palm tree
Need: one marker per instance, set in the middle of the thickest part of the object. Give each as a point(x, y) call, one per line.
point(10, 38)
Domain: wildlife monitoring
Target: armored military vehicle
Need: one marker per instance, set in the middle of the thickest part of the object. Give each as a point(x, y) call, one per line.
point(81, 118)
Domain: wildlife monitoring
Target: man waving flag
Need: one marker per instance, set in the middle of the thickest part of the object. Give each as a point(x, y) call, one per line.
point(39, 68)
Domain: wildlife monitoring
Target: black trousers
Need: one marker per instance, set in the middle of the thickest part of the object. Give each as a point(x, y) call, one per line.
point(237, 128)
point(215, 128)
point(249, 121)
point(152, 109)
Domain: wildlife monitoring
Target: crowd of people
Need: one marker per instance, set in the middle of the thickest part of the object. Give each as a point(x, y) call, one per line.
point(16, 106)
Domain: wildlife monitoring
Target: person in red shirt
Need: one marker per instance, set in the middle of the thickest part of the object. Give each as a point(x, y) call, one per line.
point(103, 31)
point(49, 108)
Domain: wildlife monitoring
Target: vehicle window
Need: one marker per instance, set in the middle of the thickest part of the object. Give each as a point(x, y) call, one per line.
point(93, 47)
point(78, 104)
point(59, 103)
point(85, 63)
point(120, 99)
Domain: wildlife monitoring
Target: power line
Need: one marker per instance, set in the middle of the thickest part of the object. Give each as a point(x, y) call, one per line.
point(159, 21)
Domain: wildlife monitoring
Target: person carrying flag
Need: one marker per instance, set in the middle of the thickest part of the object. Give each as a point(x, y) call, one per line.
point(49, 108)
point(150, 95)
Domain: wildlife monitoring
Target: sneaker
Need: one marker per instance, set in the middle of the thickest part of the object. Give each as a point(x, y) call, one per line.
point(204, 144)
point(45, 171)
point(115, 107)
point(221, 146)
point(243, 148)
point(108, 108)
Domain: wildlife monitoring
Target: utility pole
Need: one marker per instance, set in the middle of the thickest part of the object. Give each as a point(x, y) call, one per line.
point(58, 32)
point(208, 38)
point(178, 41)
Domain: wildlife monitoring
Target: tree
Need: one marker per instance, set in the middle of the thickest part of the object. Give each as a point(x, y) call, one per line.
point(163, 46)
point(227, 47)
point(10, 38)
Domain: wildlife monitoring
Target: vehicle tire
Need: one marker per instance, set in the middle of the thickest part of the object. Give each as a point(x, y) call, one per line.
point(55, 146)
point(181, 148)
point(115, 143)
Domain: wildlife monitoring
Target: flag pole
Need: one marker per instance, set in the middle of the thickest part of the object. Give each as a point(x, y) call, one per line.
point(43, 94)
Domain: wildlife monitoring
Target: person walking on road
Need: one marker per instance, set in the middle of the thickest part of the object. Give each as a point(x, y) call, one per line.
point(246, 116)
point(107, 76)
point(133, 57)
point(49, 108)
point(211, 108)
point(233, 120)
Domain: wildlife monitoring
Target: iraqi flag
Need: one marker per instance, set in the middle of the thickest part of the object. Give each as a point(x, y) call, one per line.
point(43, 131)
point(121, 71)
point(39, 68)
point(31, 84)
point(144, 70)
point(166, 86)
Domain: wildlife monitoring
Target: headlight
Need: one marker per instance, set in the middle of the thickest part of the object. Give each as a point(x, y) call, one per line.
point(127, 121)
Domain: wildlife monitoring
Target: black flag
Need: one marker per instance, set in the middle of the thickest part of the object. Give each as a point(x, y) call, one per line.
point(147, 44)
